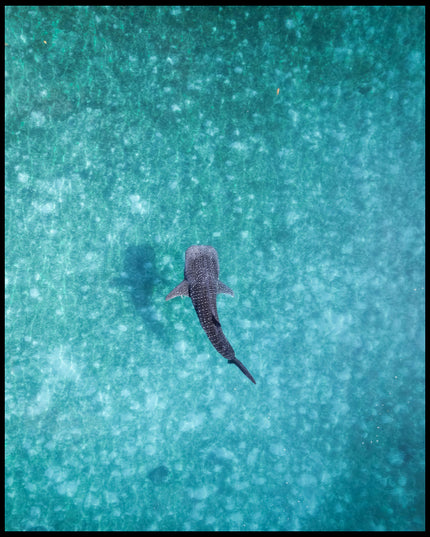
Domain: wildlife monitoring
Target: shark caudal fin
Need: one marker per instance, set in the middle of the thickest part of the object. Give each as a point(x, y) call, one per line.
point(239, 364)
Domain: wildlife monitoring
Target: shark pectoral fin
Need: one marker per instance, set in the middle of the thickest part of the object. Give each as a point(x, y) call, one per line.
point(222, 288)
point(179, 290)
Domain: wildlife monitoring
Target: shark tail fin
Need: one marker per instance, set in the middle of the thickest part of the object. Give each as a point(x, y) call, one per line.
point(239, 364)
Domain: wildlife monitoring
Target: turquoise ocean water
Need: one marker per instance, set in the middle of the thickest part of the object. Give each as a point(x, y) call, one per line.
point(292, 140)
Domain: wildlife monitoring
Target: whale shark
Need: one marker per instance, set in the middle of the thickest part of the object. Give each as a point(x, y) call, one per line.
point(202, 285)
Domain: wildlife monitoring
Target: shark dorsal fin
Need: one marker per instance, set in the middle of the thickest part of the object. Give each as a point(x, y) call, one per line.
point(215, 320)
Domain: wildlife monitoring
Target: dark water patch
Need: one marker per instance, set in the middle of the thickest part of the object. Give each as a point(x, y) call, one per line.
point(158, 475)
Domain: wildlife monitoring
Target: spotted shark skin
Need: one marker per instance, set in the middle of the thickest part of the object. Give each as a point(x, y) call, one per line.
point(202, 285)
